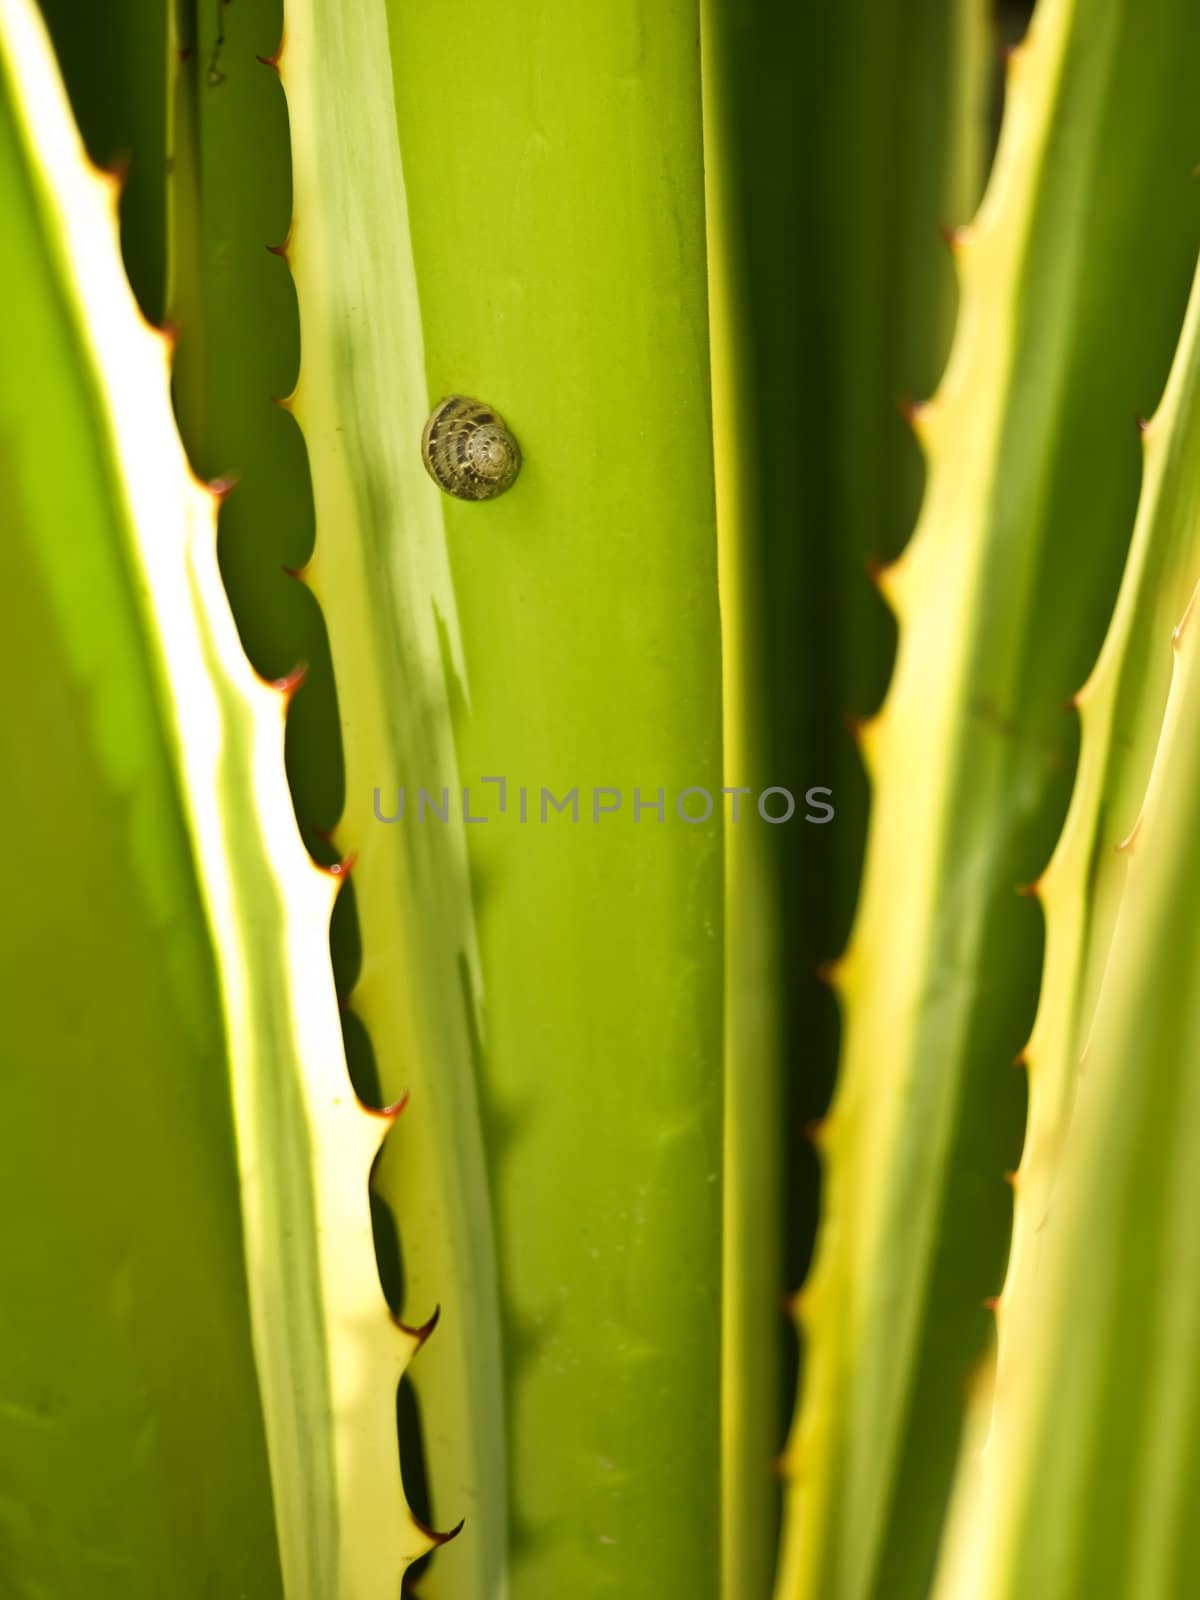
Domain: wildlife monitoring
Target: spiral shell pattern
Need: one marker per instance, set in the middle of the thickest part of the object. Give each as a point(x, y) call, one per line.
point(467, 449)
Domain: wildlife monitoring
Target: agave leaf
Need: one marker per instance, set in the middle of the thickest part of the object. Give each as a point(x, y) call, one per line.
point(1089, 1332)
point(231, 299)
point(117, 66)
point(831, 295)
point(1032, 474)
point(521, 221)
point(380, 573)
point(139, 1458)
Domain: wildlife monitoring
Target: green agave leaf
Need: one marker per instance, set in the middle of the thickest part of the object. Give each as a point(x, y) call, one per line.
point(115, 65)
point(1033, 467)
point(837, 140)
point(1092, 1335)
point(522, 221)
point(380, 573)
point(133, 1456)
point(232, 301)
point(146, 780)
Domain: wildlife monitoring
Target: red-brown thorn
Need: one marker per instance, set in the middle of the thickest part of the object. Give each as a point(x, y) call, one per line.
point(440, 1539)
point(876, 569)
point(224, 486)
point(387, 1113)
point(911, 410)
point(273, 60)
point(1127, 843)
point(420, 1334)
point(291, 681)
point(168, 331)
point(117, 168)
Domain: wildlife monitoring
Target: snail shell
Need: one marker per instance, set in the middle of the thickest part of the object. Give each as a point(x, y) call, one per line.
point(467, 449)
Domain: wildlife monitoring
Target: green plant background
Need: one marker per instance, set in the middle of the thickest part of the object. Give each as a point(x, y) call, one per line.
point(694, 1221)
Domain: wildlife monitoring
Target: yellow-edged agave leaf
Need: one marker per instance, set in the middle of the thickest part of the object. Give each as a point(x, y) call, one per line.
point(1099, 1317)
point(839, 140)
point(380, 571)
point(169, 968)
point(516, 217)
point(1033, 466)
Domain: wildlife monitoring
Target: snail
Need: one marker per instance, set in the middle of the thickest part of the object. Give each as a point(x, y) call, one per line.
point(467, 449)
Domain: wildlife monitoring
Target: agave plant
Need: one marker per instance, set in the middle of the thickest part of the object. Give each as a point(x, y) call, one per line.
point(596, 653)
